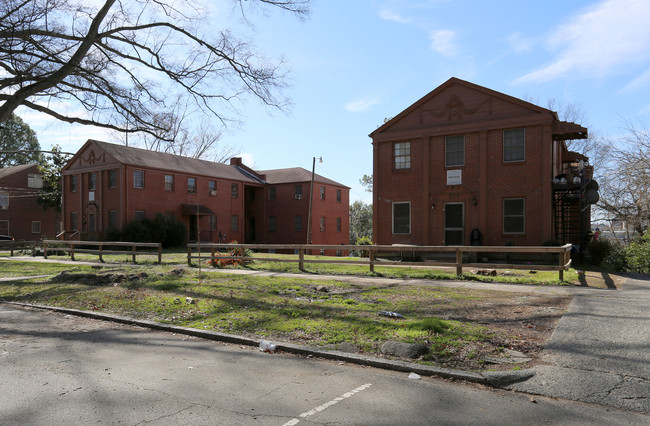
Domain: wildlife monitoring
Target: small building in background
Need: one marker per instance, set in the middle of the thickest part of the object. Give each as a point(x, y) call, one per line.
point(106, 186)
point(468, 165)
point(21, 216)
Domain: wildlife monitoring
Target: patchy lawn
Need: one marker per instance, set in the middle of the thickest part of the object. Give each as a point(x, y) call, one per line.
point(463, 328)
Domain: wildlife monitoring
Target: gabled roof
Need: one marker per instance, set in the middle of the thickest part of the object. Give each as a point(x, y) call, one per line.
point(562, 130)
point(8, 171)
point(159, 160)
point(296, 174)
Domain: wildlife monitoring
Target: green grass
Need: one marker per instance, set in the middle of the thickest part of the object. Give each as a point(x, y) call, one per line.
point(283, 309)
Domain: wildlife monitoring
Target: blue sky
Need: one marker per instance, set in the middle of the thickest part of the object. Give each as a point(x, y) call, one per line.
point(355, 62)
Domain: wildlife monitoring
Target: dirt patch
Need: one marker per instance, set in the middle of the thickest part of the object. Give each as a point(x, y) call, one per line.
point(523, 323)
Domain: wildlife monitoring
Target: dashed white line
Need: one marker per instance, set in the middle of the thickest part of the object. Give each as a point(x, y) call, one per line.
point(320, 408)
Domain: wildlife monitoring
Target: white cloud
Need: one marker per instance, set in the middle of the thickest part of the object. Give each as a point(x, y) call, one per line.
point(641, 81)
point(518, 43)
point(611, 34)
point(362, 105)
point(389, 15)
point(442, 41)
point(248, 159)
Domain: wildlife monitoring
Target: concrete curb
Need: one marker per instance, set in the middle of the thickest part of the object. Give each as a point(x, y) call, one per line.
point(386, 364)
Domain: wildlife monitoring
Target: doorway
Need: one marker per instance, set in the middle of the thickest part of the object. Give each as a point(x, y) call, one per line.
point(454, 224)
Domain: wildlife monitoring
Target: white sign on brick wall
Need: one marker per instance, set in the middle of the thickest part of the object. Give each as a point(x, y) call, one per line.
point(454, 177)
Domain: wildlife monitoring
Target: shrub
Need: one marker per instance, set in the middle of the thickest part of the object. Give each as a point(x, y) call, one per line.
point(598, 249)
point(638, 255)
point(362, 241)
point(162, 229)
point(616, 257)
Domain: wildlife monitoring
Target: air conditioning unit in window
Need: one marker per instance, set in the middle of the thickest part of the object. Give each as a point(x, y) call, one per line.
point(4, 207)
point(213, 192)
point(298, 196)
point(322, 228)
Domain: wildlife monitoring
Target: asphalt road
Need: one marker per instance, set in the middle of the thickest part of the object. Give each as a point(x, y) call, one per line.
point(62, 369)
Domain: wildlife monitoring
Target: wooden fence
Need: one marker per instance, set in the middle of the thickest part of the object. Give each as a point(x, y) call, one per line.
point(194, 251)
point(18, 245)
point(101, 248)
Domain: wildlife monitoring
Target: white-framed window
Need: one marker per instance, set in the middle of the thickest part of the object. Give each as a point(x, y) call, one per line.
point(454, 151)
point(212, 188)
point(4, 201)
point(338, 195)
point(191, 185)
point(322, 223)
point(234, 190)
point(169, 183)
point(338, 224)
point(402, 218)
point(322, 192)
point(514, 215)
point(402, 155)
point(514, 145)
point(138, 179)
point(34, 180)
point(272, 193)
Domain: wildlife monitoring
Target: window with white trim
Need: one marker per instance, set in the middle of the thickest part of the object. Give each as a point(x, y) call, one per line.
point(454, 151)
point(514, 145)
point(138, 179)
point(402, 155)
point(34, 180)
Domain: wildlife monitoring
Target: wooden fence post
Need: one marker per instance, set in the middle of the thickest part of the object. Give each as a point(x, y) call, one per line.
point(101, 257)
point(72, 251)
point(44, 249)
point(301, 259)
point(189, 255)
point(371, 258)
point(133, 250)
point(160, 253)
point(459, 262)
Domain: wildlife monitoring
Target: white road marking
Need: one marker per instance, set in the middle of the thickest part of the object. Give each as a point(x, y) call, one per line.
point(320, 408)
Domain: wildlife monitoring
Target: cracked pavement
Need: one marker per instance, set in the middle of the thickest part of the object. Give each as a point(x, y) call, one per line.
point(600, 351)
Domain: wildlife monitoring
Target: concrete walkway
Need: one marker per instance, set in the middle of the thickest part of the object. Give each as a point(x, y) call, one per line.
point(599, 351)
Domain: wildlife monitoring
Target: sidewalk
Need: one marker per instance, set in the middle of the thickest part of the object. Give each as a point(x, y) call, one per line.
point(600, 351)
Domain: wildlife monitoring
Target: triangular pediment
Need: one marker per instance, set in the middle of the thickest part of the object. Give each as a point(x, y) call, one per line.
point(91, 155)
point(456, 103)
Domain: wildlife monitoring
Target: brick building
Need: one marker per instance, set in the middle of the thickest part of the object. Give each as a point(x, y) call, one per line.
point(20, 214)
point(107, 186)
point(465, 158)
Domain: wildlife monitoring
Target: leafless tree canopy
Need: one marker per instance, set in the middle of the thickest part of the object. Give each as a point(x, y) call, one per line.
point(625, 178)
point(117, 58)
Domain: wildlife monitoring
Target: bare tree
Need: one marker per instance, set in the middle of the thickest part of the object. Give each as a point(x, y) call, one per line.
point(625, 178)
point(126, 62)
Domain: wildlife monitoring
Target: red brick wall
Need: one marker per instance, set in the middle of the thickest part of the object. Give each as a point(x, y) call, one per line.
point(24, 208)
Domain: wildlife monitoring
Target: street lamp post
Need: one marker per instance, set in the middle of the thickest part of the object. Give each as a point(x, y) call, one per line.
point(311, 197)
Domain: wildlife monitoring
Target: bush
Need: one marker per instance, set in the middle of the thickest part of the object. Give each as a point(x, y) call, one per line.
point(362, 241)
point(637, 255)
point(162, 229)
point(599, 249)
point(616, 257)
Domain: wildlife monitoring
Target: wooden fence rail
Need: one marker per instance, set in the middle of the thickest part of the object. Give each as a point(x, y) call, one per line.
point(102, 248)
point(563, 253)
point(18, 245)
